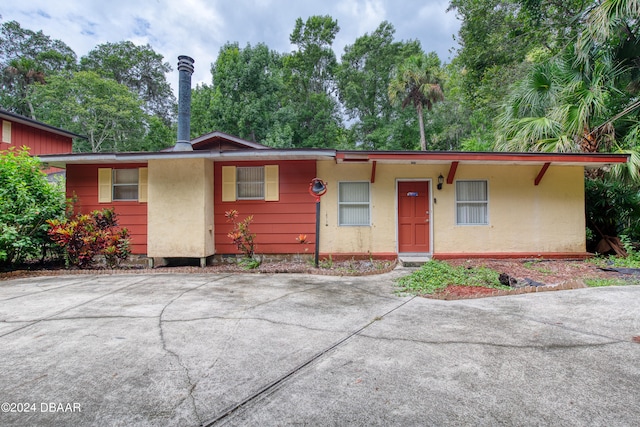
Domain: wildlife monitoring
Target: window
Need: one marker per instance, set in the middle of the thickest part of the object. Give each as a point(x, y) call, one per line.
point(250, 183)
point(125, 184)
point(353, 203)
point(122, 185)
point(6, 131)
point(472, 203)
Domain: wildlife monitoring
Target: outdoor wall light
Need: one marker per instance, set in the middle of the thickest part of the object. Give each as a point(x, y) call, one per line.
point(440, 182)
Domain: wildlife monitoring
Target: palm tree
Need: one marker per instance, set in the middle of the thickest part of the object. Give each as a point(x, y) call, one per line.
point(610, 15)
point(417, 82)
point(587, 100)
point(555, 106)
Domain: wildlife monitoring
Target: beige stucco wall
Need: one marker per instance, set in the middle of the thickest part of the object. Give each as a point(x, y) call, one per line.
point(180, 208)
point(523, 218)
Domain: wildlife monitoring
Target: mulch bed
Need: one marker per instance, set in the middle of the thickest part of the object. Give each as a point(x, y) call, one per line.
point(335, 268)
point(554, 274)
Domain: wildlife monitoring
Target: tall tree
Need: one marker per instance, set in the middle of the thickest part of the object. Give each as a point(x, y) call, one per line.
point(106, 112)
point(497, 38)
point(309, 95)
point(243, 98)
point(363, 79)
point(583, 100)
point(416, 82)
point(28, 57)
point(139, 68)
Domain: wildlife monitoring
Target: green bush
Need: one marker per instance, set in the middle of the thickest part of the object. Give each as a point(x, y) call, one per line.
point(612, 208)
point(27, 201)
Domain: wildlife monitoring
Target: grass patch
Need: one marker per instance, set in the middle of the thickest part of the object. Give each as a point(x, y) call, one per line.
point(632, 260)
point(599, 283)
point(435, 275)
point(531, 265)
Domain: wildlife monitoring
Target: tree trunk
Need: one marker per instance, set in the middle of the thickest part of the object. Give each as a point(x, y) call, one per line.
point(423, 139)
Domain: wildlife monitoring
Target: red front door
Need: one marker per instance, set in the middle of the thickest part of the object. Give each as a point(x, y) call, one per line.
point(413, 216)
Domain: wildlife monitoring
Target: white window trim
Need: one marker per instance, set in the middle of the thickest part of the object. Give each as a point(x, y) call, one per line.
point(471, 202)
point(354, 203)
point(114, 185)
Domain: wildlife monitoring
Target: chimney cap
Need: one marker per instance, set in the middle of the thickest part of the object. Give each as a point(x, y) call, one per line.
point(185, 63)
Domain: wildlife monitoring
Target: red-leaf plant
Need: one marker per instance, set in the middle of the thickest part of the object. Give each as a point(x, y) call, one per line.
point(240, 234)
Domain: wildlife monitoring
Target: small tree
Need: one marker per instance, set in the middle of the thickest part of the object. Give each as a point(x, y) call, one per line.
point(27, 201)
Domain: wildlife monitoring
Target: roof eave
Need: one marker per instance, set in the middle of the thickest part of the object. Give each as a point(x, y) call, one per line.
point(495, 158)
point(61, 160)
point(38, 125)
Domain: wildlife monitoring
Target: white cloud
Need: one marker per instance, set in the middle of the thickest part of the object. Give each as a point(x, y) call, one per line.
point(199, 28)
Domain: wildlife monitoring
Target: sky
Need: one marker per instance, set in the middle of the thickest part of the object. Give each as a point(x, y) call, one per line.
point(198, 28)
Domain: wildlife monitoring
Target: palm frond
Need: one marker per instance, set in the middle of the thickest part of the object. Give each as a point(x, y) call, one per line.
point(627, 172)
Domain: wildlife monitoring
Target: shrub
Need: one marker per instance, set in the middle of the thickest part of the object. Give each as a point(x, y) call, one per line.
point(240, 234)
point(612, 209)
point(83, 237)
point(27, 201)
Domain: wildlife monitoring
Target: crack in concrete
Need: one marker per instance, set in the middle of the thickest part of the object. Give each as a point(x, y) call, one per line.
point(190, 382)
point(567, 328)
point(278, 382)
point(42, 290)
point(244, 310)
point(492, 344)
point(555, 324)
point(35, 322)
point(77, 318)
point(260, 319)
point(376, 294)
point(280, 297)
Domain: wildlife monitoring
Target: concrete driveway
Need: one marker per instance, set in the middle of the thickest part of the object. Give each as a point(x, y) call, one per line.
point(196, 349)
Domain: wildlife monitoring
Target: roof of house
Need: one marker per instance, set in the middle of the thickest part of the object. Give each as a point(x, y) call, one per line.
point(223, 147)
point(17, 118)
point(217, 138)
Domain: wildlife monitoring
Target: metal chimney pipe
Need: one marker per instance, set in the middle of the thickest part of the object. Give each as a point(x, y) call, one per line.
point(185, 69)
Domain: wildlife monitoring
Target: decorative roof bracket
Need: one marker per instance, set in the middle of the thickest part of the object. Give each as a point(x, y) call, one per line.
point(373, 171)
point(541, 173)
point(452, 172)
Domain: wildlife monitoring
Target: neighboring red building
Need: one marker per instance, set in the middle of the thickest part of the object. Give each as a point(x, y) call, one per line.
point(19, 131)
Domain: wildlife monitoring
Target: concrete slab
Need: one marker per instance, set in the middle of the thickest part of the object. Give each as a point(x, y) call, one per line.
point(254, 349)
point(413, 260)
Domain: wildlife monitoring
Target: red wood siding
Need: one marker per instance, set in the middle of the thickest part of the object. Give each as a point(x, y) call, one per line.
point(82, 184)
point(276, 224)
point(40, 141)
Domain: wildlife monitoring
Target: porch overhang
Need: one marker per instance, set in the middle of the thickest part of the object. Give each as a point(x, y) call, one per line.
point(455, 158)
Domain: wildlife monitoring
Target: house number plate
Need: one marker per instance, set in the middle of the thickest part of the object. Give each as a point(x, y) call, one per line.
point(412, 194)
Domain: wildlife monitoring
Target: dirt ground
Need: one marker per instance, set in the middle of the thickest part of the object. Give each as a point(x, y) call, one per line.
point(548, 272)
point(555, 274)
